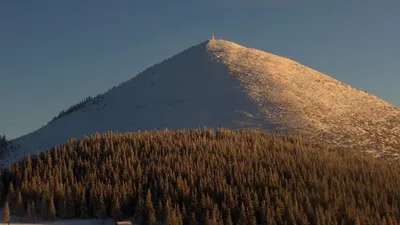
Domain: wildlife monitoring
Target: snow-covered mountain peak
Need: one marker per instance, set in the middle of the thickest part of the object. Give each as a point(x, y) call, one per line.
point(222, 84)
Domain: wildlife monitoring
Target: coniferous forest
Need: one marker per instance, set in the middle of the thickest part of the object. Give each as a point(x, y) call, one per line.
point(203, 177)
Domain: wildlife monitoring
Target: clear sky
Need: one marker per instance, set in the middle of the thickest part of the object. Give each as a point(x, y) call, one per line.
point(55, 53)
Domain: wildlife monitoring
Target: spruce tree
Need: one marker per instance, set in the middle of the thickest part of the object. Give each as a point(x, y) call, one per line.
point(7, 214)
point(63, 210)
point(83, 206)
point(20, 206)
point(228, 218)
point(192, 219)
point(169, 214)
point(178, 216)
point(116, 211)
point(2, 189)
point(29, 213)
point(43, 207)
point(216, 217)
point(160, 211)
point(242, 215)
point(11, 198)
point(33, 212)
point(149, 212)
point(52, 208)
point(101, 210)
point(262, 213)
point(139, 210)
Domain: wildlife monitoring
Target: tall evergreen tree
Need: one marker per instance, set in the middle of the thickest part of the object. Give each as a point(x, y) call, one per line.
point(169, 214)
point(116, 211)
point(29, 213)
point(7, 214)
point(52, 208)
point(33, 212)
point(149, 212)
point(11, 198)
point(83, 207)
point(192, 219)
point(160, 211)
point(101, 209)
point(20, 206)
point(139, 209)
point(43, 207)
point(228, 218)
point(178, 216)
point(242, 215)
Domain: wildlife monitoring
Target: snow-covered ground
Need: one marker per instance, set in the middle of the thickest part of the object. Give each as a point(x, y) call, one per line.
point(61, 221)
point(221, 84)
point(313, 104)
point(25, 221)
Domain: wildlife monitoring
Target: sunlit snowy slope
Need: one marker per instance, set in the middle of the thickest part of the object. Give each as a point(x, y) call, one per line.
point(221, 84)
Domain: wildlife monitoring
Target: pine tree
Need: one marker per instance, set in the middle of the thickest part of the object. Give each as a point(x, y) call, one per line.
point(139, 210)
point(33, 212)
point(11, 197)
point(63, 209)
point(149, 212)
point(116, 211)
point(43, 207)
point(169, 215)
point(160, 211)
point(7, 215)
point(20, 207)
point(83, 206)
point(101, 210)
point(52, 208)
point(228, 218)
point(192, 219)
point(216, 215)
point(250, 215)
point(262, 213)
point(178, 216)
point(29, 213)
point(242, 215)
point(70, 203)
point(2, 190)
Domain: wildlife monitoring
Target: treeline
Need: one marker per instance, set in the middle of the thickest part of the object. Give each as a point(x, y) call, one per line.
point(204, 177)
point(77, 106)
point(80, 105)
point(73, 108)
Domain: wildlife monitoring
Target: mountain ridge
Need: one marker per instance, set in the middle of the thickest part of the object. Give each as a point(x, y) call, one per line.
point(219, 83)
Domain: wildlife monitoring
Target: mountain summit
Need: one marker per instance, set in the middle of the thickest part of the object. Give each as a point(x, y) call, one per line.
point(222, 84)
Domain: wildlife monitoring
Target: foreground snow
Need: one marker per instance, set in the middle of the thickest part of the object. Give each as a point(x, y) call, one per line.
point(25, 221)
point(66, 222)
point(221, 84)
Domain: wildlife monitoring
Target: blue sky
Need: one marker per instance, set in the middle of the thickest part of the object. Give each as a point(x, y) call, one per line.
point(55, 53)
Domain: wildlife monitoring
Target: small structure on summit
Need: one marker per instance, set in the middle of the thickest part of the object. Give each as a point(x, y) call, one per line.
point(212, 36)
point(123, 223)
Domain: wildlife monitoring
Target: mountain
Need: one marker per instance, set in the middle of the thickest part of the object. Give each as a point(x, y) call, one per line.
point(222, 84)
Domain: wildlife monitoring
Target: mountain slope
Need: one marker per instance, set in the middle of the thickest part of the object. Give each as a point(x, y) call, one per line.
point(311, 103)
point(221, 84)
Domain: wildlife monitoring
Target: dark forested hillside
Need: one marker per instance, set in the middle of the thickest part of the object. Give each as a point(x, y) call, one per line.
point(204, 177)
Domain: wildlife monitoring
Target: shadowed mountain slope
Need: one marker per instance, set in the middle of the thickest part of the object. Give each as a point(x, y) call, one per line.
point(222, 84)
